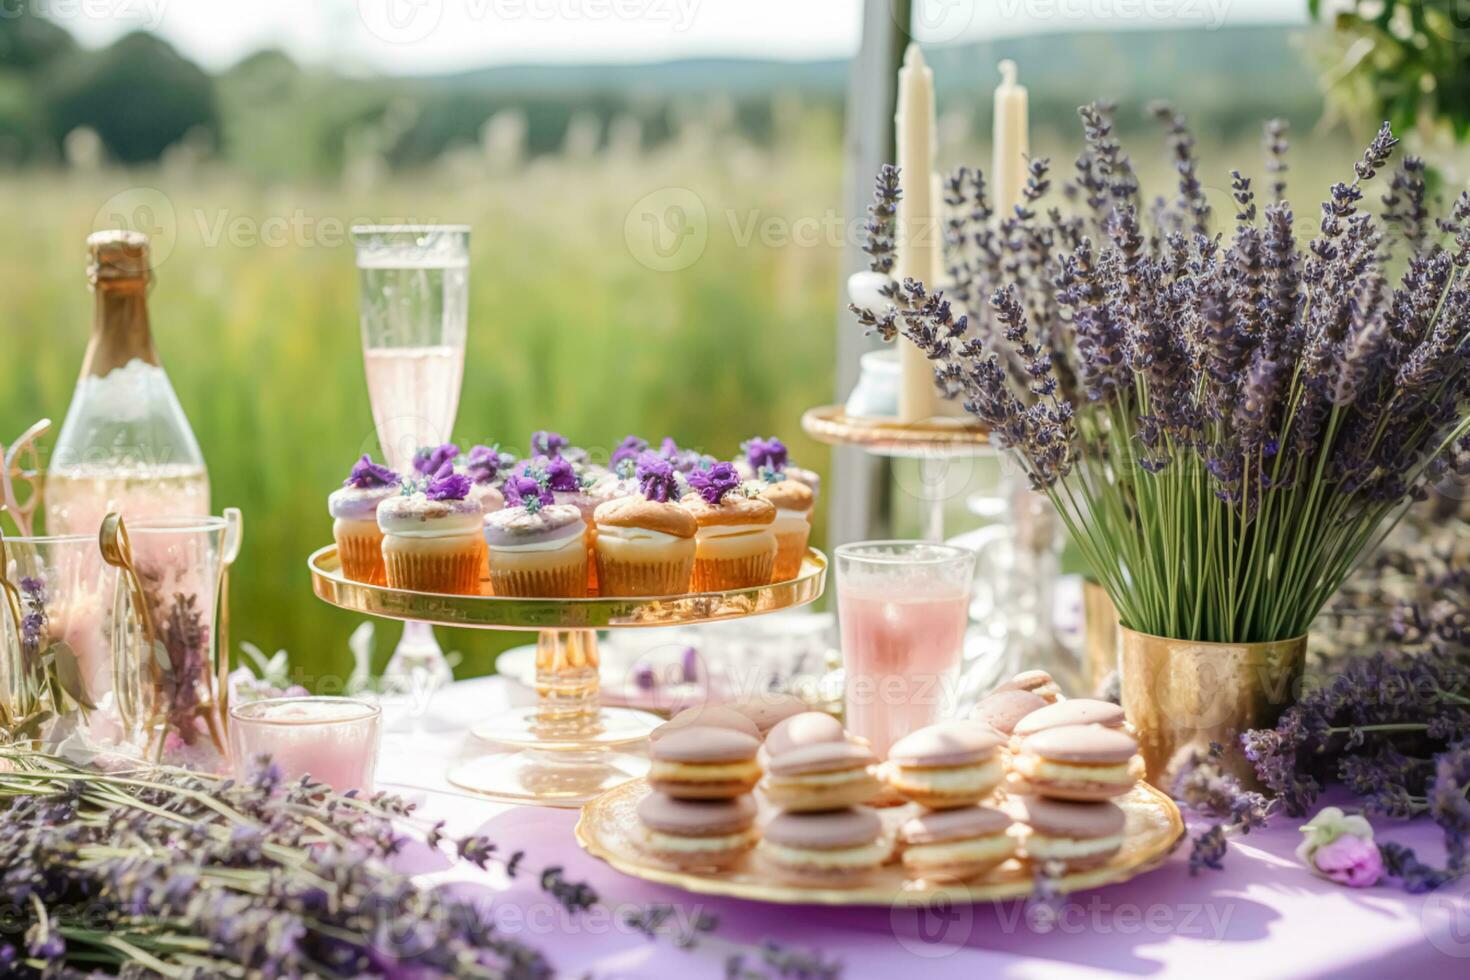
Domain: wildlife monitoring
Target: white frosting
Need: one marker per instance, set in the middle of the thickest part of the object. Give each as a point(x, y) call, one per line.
point(961, 779)
point(1061, 848)
point(799, 780)
point(419, 524)
point(636, 535)
point(572, 543)
point(786, 514)
point(1033, 767)
point(863, 856)
point(715, 531)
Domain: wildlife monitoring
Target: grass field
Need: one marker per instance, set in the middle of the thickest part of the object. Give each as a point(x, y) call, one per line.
point(577, 322)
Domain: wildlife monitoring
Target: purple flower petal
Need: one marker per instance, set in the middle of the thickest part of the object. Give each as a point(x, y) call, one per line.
point(448, 485)
point(656, 477)
point(765, 454)
point(715, 483)
point(366, 475)
point(545, 443)
point(429, 459)
point(629, 448)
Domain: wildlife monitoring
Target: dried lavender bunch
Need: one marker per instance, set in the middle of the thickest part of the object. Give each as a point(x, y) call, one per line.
point(169, 873)
point(1249, 416)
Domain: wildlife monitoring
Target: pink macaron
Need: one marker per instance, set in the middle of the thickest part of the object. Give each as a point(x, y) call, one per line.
point(1003, 709)
point(962, 842)
point(695, 834)
point(1074, 836)
point(953, 763)
point(1078, 762)
point(821, 776)
point(704, 764)
point(834, 848)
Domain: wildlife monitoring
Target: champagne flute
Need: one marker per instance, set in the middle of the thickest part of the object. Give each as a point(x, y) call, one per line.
point(413, 294)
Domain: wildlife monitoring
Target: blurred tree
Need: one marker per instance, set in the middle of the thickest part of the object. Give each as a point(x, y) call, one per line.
point(28, 45)
point(140, 95)
point(27, 42)
point(1407, 61)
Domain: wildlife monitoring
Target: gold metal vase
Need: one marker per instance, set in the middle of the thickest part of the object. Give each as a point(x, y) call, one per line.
point(1181, 695)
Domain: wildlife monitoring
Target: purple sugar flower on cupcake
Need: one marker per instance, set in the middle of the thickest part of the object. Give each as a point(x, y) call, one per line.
point(765, 454)
point(485, 463)
point(546, 443)
point(367, 475)
point(447, 484)
point(715, 482)
point(561, 476)
point(528, 492)
point(656, 478)
point(630, 448)
point(430, 459)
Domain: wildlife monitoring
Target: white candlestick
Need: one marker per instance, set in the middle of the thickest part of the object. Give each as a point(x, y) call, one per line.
point(919, 235)
point(1011, 144)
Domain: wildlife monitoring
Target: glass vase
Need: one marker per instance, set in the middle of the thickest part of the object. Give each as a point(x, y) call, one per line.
point(165, 663)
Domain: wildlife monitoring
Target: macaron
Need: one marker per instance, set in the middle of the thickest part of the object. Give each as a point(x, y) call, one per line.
point(807, 728)
point(704, 764)
point(953, 763)
point(834, 848)
point(769, 709)
point(821, 776)
point(1078, 762)
point(1073, 711)
point(1002, 709)
point(1038, 682)
point(694, 834)
point(1075, 835)
point(706, 716)
point(959, 843)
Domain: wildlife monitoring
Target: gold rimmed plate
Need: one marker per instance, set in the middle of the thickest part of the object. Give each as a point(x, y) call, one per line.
point(609, 830)
point(890, 437)
point(599, 612)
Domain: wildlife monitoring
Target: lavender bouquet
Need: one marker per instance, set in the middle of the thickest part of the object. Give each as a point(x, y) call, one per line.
point(1226, 426)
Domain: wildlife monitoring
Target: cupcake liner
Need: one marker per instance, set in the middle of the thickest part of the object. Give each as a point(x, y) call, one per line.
point(790, 551)
point(622, 578)
point(724, 574)
point(362, 557)
point(448, 572)
point(567, 580)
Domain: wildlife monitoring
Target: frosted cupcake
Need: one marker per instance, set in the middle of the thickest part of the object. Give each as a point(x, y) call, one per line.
point(768, 460)
point(554, 445)
point(793, 525)
point(538, 547)
point(431, 536)
point(645, 544)
point(735, 546)
point(354, 509)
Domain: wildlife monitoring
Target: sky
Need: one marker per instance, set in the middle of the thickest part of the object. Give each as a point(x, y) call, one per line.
point(432, 36)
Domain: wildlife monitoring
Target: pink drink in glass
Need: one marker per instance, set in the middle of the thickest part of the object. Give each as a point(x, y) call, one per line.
point(334, 740)
point(903, 608)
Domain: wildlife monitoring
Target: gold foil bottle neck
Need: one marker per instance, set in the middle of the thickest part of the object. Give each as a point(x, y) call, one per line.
point(117, 255)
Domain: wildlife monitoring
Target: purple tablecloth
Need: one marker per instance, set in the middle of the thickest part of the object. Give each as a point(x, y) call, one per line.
point(1263, 916)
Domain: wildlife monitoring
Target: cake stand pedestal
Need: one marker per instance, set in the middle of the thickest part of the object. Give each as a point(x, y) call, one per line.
point(568, 748)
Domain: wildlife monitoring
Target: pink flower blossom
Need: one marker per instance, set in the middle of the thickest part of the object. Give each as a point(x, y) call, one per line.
point(1350, 861)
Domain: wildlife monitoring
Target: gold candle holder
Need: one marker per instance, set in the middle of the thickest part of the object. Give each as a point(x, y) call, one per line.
point(1181, 695)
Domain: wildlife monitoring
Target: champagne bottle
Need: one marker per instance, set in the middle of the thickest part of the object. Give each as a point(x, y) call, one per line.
point(125, 444)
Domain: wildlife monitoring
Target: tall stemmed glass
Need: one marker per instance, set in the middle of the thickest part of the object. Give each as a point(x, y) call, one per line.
point(413, 295)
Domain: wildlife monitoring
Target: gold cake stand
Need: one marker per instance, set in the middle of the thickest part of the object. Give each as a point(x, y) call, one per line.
point(932, 442)
point(609, 829)
point(567, 748)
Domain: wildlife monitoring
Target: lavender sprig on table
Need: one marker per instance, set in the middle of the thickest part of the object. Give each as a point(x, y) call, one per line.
point(1226, 425)
point(189, 875)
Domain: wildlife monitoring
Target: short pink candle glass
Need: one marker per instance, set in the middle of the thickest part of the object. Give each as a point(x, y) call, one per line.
point(333, 740)
point(903, 607)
